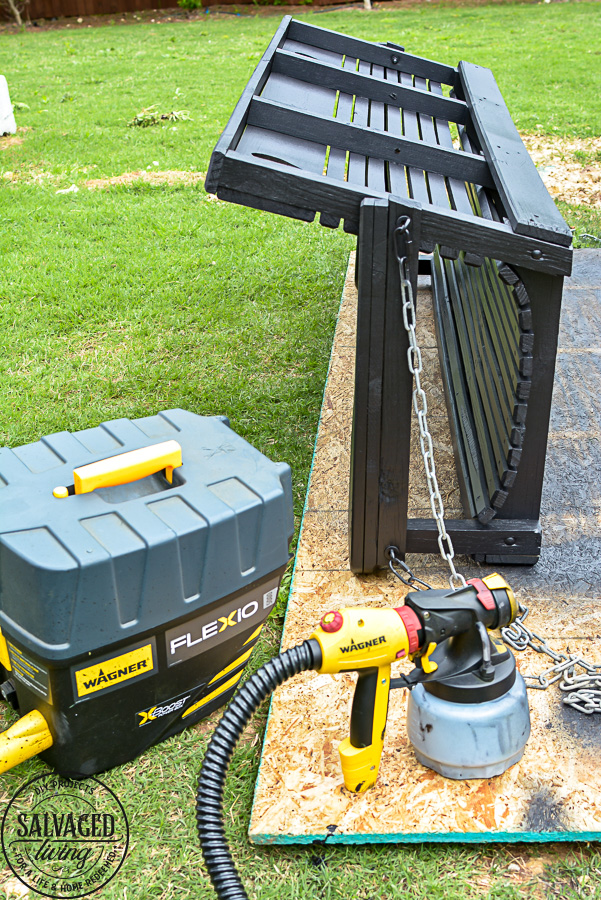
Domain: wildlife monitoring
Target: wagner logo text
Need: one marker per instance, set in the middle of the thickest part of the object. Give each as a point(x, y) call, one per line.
point(363, 645)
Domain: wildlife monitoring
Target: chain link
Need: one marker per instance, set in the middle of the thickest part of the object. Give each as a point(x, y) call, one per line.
point(519, 637)
point(581, 691)
point(420, 405)
point(411, 580)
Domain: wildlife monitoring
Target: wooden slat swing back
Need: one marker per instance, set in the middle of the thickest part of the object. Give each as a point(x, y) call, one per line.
point(362, 134)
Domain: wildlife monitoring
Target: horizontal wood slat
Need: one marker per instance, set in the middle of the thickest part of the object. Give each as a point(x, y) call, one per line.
point(410, 151)
point(365, 84)
point(374, 53)
point(497, 538)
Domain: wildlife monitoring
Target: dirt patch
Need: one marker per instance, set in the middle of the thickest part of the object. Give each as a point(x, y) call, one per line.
point(569, 167)
point(13, 140)
point(172, 176)
point(528, 873)
point(96, 345)
point(10, 141)
point(30, 175)
point(13, 888)
point(550, 875)
point(537, 876)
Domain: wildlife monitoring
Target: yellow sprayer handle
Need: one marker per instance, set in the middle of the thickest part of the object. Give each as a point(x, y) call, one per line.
point(126, 467)
point(26, 738)
point(360, 754)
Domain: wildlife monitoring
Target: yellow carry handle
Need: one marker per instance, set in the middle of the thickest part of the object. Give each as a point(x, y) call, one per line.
point(26, 738)
point(125, 467)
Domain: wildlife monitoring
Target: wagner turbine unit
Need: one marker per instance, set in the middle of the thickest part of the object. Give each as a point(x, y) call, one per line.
point(138, 562)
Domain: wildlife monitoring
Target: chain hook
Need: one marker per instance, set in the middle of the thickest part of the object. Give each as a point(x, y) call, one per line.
point(412, 580)
point(402, 227)
point(400, 232)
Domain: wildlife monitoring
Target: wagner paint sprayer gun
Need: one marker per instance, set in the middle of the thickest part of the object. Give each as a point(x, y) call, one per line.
point(467, 716)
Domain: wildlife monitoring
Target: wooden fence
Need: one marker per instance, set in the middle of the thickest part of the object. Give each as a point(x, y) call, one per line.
point(48, 9)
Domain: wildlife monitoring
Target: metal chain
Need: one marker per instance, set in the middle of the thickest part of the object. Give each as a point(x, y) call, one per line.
point(581, 691)
point(420, 405)
point(412, 581)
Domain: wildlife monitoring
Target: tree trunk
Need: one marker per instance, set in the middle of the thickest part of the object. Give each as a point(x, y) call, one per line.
point(15, 12)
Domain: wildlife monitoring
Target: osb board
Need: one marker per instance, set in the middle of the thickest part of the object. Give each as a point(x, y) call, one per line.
point(554, 792)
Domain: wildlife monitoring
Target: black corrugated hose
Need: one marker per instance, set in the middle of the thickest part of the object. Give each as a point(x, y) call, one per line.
point(209, 797)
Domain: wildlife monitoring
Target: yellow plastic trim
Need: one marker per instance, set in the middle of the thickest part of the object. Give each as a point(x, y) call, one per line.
point(26, 738)
point(360, 765)
point(232, 666)
point(127, 467)
point(428, 665)
point(60, 492)
point(4, 657)
point(255, 634)
point(499, 645)
point(215, 693)
point(496, 582)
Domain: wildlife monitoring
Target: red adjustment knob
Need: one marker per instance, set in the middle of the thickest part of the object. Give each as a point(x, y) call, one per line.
point(332, 621)
point(412, 625)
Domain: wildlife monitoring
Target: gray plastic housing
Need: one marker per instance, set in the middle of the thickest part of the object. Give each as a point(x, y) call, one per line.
point(469, 740)
point(90, 570)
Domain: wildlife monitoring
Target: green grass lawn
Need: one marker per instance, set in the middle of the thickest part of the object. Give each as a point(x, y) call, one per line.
point(148, 296)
